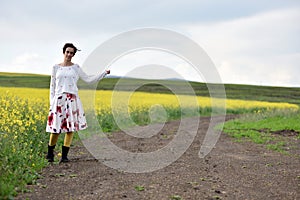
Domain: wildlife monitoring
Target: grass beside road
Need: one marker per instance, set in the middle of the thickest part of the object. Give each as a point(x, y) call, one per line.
point(269, 129)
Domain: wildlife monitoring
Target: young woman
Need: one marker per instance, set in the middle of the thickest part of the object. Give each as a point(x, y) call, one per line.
point(66, 114)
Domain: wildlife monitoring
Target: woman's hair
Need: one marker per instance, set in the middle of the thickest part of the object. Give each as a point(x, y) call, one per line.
point(71, 46)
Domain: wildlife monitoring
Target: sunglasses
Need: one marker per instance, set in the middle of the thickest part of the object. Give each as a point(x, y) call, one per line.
point(70, 52)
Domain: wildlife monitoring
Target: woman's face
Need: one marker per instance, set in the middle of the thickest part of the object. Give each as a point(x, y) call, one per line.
point(69, 53)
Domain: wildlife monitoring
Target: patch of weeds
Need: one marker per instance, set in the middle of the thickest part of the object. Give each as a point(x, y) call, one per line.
point(259, 128)
point(42, 186)
point(139, 188)
point(269, 165)
point(193, 183)
point(279, 147)
point(252, 135)
point(164, 136)
point(73, 175)
point(176, 197)
point(59, 175)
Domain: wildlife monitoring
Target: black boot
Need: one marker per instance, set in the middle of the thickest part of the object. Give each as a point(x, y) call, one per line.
point(64, 154)
point(50, 155)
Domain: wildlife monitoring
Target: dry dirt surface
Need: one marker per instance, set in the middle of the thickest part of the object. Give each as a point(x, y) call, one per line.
point(232, 170)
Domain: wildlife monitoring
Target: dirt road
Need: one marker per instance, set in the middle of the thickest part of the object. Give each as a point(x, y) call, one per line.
point(232, 170)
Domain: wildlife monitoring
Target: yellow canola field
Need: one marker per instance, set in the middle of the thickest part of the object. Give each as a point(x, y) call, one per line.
point(105, 100)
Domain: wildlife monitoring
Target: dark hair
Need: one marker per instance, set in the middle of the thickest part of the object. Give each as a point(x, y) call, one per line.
point(71, 46)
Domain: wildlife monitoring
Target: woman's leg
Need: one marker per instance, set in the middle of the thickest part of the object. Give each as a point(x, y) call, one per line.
point(66, 147)
point(68, 139)
point(52, 142)
point(53, 139)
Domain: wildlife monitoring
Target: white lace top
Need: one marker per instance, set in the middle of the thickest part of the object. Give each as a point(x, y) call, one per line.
point(64, 79)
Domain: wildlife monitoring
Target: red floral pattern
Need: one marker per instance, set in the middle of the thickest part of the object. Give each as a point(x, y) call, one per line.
point(66, 114)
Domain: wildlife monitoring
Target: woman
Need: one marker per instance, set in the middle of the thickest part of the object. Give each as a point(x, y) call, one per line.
point(66, 113)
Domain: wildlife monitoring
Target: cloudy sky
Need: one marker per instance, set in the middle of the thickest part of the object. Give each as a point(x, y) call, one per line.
point(250, 41)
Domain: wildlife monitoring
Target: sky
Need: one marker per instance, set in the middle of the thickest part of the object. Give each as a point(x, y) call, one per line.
point(250, 42)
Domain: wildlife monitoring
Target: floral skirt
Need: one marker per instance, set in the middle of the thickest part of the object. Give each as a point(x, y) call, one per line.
point(66, 114)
